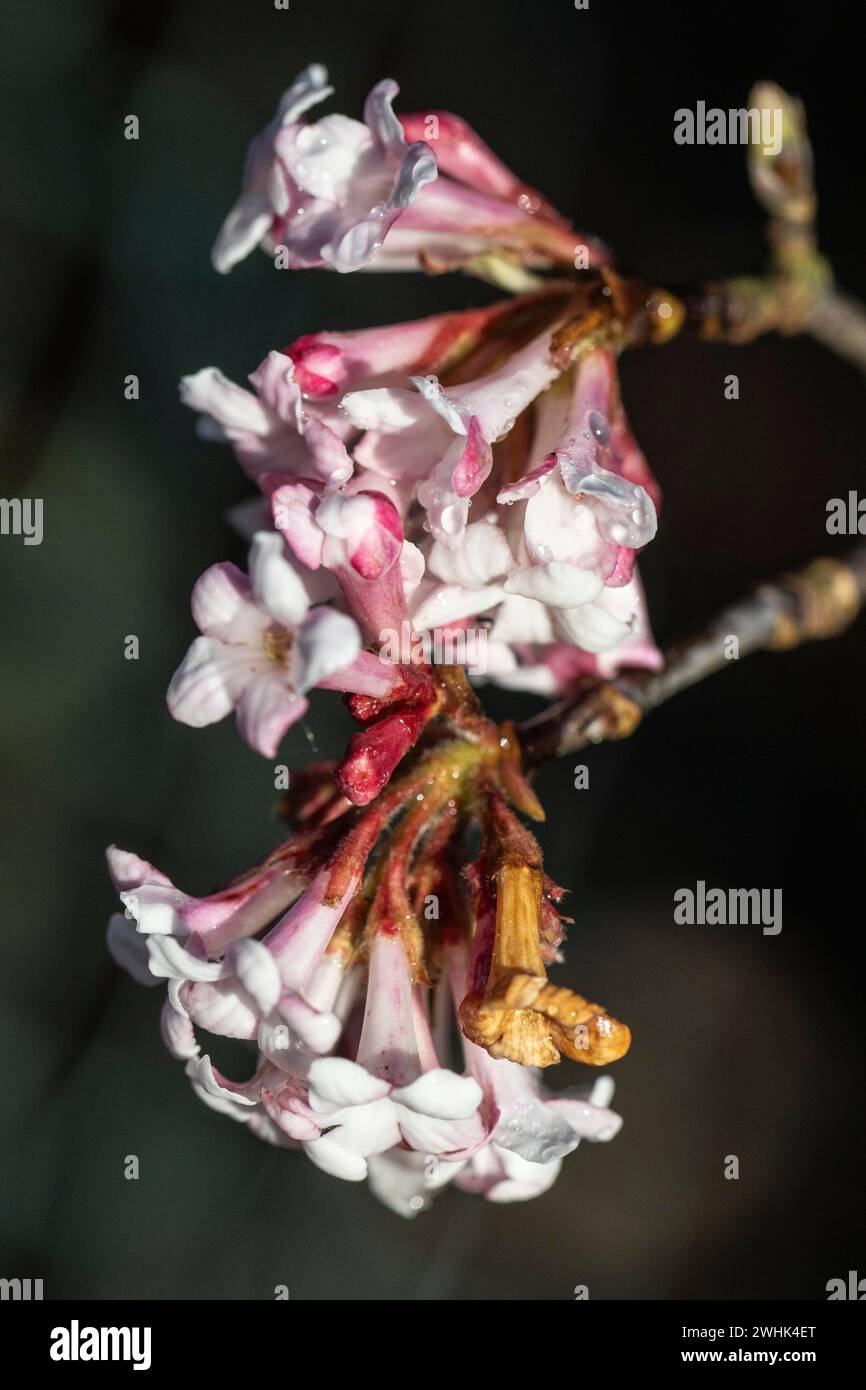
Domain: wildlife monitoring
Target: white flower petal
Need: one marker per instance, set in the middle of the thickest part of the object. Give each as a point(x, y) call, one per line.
point(411, 567)
point(266, 711)
point(333, 1157)
point(201, 1073)
point(246, 225)
point(171, 961)
point(591, 627)
point(274, 383)
point(325, 643)
point(405, 1181)
point(157, 908)
point(366, 1129)
point(129, 870)
point(556, 526)
point(320, 1031)
point(602, 1091)
point(219, 598)
point(586, 1120)
point(236, 410)
point(534, 1130)
point(389, 409)
point(308, 88)
point(380, 119)
point(521, 620)
point(256, 972)
point(276, 583)
point(434, 394)
point(443, 604)
point(223, 1008)
point(429, 1134)
point(364, 229)
point(536, 680)
point(558, 585)
point(485, 555)
point(128, 949)
point(209, 681)
point(336, 1082)
point(441, 1093)
point(178, 1034)
point(522, 1181)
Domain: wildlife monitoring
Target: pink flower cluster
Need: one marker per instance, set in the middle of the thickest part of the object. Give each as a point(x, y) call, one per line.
point(346, 1067)
point(469, 471)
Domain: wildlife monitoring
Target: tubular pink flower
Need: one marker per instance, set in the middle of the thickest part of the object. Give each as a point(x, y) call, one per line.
point(262, 648)
point(252, 991)
point(271, 429)
point(407, 1182)
point(586, 508)
point(462, 155)
point(477, 205)
point(299, 940)
point(328, 192)
point(386, 1096)
point(329, 364)
point(552, 668)
point(503, 1176)
point(443, 435)
point(463, 582)
point(359, 538)
point(155, 906)
point(240, 1100)
point(349, 195)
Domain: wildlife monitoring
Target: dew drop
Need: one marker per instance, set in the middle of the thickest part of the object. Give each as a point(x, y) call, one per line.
point(450, 520)
point(599, 426)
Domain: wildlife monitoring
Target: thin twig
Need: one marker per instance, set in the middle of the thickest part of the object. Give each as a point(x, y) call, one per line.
point(817, 602)
point(839, 322)
point(795, 295)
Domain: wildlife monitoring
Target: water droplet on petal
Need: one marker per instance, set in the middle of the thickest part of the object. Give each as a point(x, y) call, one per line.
point(599, 426)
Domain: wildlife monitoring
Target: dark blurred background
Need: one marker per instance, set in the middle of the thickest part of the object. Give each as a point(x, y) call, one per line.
point(744, 1044)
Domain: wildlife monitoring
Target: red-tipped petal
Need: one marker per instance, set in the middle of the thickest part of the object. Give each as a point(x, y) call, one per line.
point(474, 465)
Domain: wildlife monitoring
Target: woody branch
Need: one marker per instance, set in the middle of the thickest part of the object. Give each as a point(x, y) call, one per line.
point(796, 294)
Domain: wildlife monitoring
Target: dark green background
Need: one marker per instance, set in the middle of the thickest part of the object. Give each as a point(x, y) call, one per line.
point(743, 1044)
